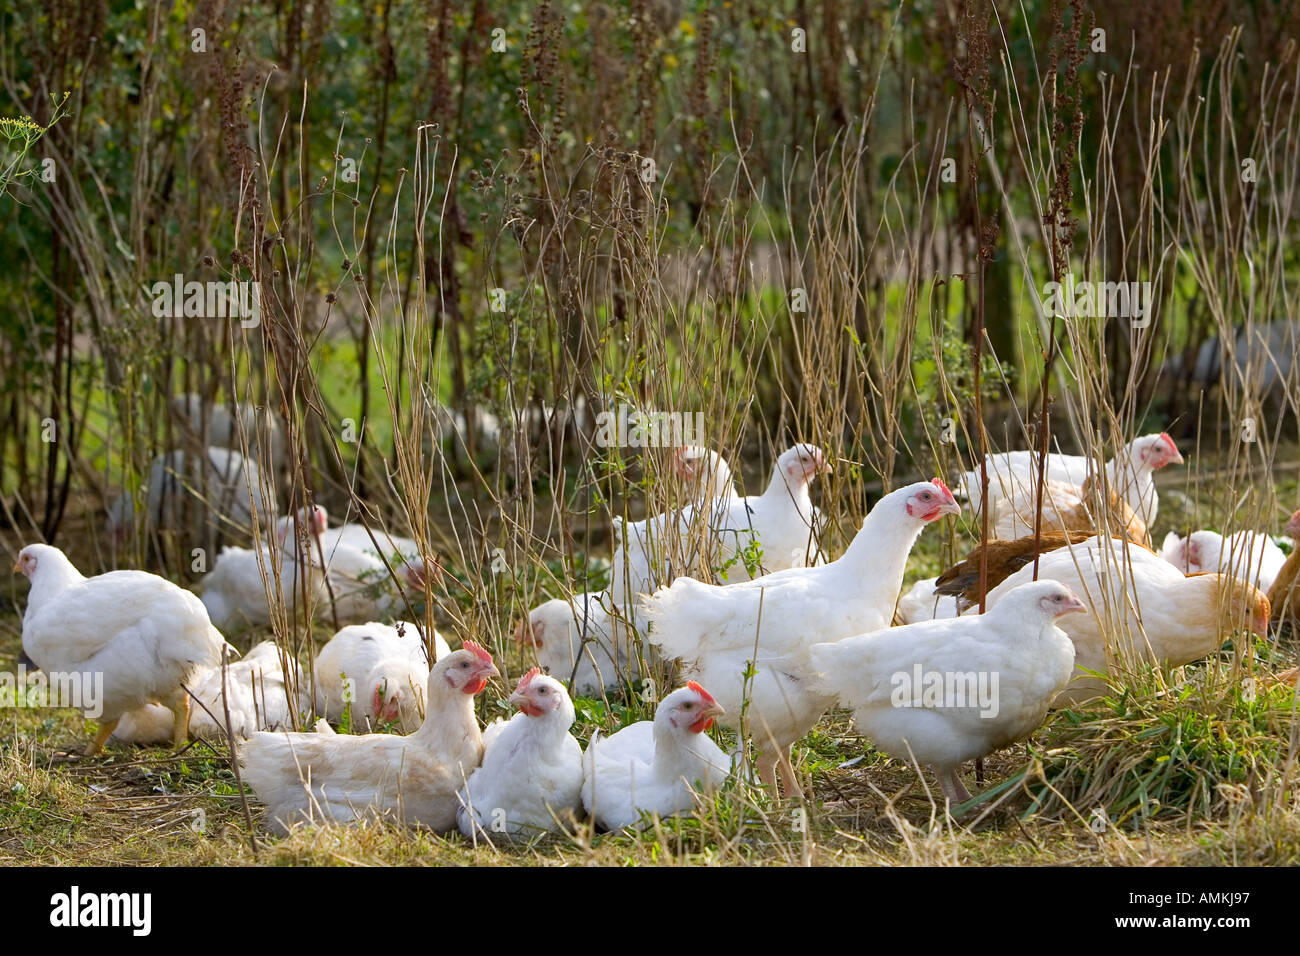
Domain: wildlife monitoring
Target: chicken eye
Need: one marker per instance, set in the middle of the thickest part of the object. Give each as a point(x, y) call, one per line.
point(541, 690)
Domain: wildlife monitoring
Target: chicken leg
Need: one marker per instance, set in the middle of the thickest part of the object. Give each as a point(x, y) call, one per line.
point(952, 787)
point(106, 728)
point(766, 767)
point(788, 779)
point(180, 705)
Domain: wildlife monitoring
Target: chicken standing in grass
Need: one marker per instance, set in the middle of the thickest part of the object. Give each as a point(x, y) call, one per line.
point(1141, 610)
point(326, 777)
point(530, 781)
point(772, 620)
point(945, 692)
point(581, 639)
point(778, 527)
point(655, 767)
point(127, 636)
point(360, 584)
point(1128, 474)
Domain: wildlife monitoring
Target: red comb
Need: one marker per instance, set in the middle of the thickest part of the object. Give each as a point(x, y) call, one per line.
point(527, 679)
point(939, 481)
point(1168, 441)
point(477, 651)
point(701, 691)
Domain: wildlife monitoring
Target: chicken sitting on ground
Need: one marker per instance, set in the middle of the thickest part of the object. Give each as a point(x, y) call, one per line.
point(962, 580)
point(376, 673)
point(1142, 610)
point(716, 630)
point(1128, 474)
point(1284, 595)
point(1066, 507)
point(531, 778)
point(320, 778)
point(558, 630)
point(899, 682)
point(261, 697)
point(1250, 555)
point(655, 767)
point(124, 639)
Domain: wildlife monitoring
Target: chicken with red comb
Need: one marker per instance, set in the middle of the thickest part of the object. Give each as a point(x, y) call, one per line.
point(414, 780)
point(655, 768)
point(531, 778)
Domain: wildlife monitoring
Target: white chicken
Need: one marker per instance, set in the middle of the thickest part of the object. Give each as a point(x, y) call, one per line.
point(238, 596)
point(530, 781)
point(124, 638)
point(716, 630)
point(357, 580)
point(226, 491)
point(1250, 555)
point(1014, 475)
point(376, 673)
point(582, 640)
point(778, 527)
point(645, 548)
point(1141, 610)
point(771, 531)
point(944, 692)
point(655, 767)
point(260, 697)
point(415, 780)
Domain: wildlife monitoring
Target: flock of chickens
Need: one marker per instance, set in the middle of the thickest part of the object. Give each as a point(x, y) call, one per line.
point(780, 636)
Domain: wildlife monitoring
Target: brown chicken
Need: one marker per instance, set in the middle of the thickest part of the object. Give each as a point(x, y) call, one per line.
point(962, 580)
point(1284, 595)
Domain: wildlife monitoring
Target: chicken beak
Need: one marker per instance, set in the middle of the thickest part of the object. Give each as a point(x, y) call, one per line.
point(517, 700)
point(1075, 604)
point(712, 710)
point(18, 567)
point(950, 507)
